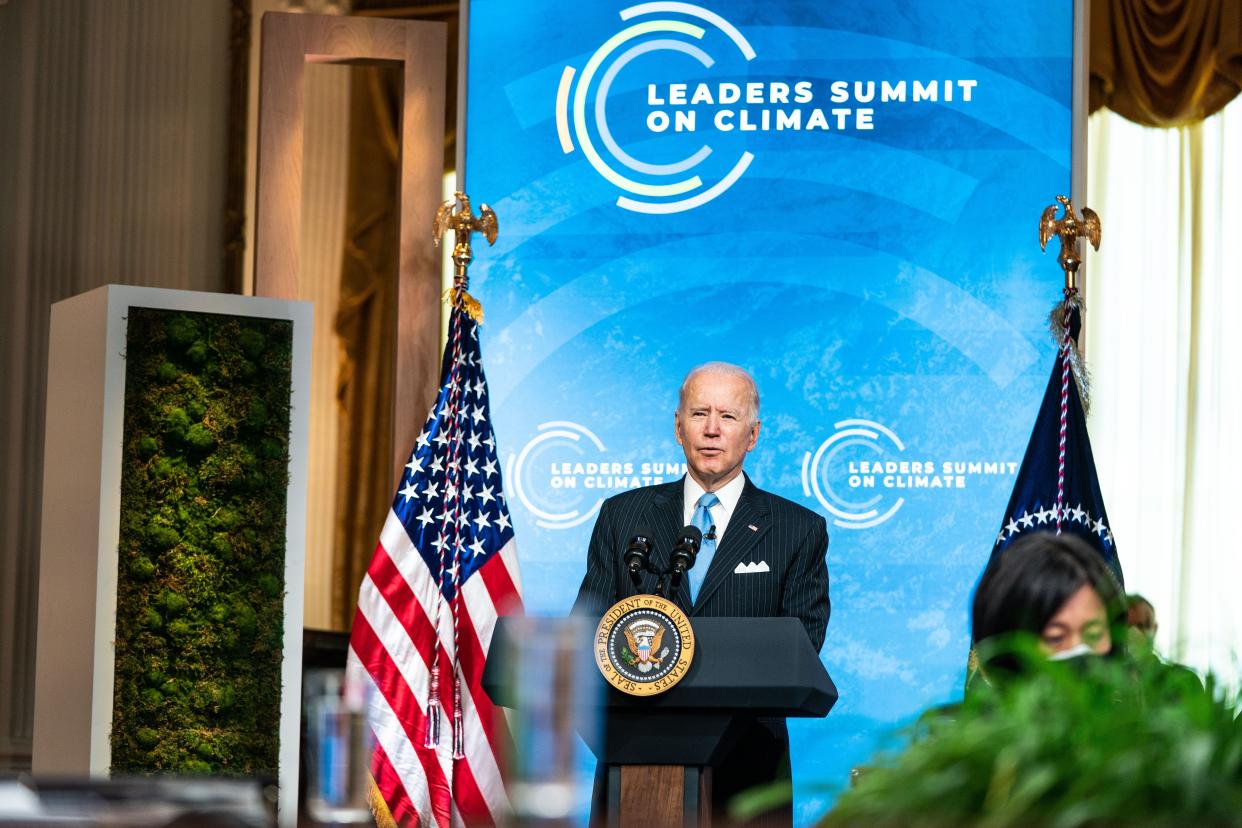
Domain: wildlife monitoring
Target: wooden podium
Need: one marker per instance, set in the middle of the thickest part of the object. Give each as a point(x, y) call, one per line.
point(656, 752)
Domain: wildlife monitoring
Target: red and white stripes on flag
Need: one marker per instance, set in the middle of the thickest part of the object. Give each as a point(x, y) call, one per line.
point(444, 569)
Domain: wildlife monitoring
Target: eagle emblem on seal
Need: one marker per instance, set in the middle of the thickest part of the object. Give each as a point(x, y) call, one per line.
point(643, 638)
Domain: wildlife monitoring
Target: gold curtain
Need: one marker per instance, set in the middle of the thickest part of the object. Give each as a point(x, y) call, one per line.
point(1165, 63)
point(366, 328)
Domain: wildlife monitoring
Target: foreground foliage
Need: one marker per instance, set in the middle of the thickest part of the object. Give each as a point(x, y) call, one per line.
point(1095, 742)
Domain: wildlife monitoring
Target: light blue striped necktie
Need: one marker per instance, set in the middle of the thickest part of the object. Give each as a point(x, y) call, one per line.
point(702, 519)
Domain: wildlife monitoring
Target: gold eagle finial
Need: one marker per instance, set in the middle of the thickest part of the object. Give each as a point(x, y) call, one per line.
point(464, 223)
point(1069, 229)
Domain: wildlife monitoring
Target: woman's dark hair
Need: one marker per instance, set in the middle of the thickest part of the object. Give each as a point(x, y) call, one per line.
point(1025, 585)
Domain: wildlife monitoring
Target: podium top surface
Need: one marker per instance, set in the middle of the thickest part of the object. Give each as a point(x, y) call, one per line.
point(750, 666)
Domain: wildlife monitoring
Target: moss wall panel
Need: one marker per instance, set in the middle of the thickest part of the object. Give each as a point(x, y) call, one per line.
point(202, 543)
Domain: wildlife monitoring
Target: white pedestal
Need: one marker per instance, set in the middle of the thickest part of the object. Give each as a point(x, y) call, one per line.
point(81, 524)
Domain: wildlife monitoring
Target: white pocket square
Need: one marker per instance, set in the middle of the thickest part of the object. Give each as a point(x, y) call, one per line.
point(753, 566)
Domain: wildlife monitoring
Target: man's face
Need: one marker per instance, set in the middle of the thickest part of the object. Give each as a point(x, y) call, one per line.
point(1142, 617)
point(714, 427)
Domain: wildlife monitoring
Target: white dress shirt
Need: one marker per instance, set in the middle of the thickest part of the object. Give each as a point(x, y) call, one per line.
point(729, 494)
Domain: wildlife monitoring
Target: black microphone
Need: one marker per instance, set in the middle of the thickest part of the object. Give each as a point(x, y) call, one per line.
point(637, 554)
point(684, 553)
point(711, 533)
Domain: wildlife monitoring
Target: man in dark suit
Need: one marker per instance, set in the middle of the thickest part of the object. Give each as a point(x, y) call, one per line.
point(762, 555)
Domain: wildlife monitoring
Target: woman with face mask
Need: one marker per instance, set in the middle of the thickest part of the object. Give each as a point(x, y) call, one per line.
point(1055, 588)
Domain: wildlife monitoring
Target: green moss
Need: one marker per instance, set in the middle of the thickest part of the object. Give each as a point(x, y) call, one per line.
point(172, 602)
point(256, 414)
point(228, 639)
point(223, 696)
point(162, 468)
point(270, 448)
point(151, 619)
point(200, 596)
point(181, 328)
point(141, 568)
point(221, 546)
point(180, 628)
point(160, 536)
point(176, 422)
point(271, 585)
point(252, 342)
point(217, 696)
point(199, 437)
point(224, 518)
point(147, 737)
point(228, 466)
point(245, 619)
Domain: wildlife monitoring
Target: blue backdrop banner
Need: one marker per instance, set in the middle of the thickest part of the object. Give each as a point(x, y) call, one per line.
point(842, 197)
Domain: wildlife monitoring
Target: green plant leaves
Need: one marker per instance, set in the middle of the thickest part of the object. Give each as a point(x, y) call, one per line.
point(1118, 741)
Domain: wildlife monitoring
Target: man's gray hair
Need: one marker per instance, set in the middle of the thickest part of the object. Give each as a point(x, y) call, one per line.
point(727, 369)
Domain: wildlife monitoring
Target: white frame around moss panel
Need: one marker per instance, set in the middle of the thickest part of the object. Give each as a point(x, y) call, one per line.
point(74, 662)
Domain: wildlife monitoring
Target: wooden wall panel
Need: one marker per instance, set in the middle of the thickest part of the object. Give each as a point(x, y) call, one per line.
point(290, 41)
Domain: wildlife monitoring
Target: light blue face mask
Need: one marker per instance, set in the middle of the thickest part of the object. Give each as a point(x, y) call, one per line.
point(1072, 652)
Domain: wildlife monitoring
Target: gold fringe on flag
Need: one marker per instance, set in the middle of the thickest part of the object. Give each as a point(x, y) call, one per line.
point(379, 808)
point(456, 297)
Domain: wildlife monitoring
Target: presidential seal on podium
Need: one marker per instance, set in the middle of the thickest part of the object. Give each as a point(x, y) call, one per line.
point(644, 645)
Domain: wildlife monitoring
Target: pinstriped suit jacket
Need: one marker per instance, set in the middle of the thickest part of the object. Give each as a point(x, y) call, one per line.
point(791, 539)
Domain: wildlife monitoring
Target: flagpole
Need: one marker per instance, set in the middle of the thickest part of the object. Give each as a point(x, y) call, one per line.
point(1079, 100)
point(463, 65)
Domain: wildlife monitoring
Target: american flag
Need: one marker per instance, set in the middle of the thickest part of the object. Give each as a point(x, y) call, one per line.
point(1057, 489)
point(444, 569)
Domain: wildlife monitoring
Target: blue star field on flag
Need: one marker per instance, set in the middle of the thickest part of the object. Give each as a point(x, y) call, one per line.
point(1033, 504)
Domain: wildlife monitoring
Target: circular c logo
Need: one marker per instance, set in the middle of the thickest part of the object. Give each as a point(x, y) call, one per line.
point(678, 188)
point(854, 441)
point(552, 506)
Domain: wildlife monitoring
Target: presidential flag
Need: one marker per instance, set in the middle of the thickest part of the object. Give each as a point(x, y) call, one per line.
point(1057, 489)
point(444, 569)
